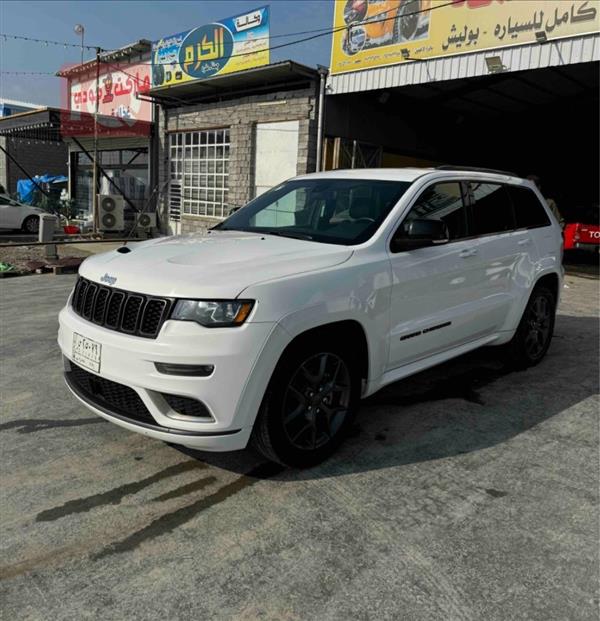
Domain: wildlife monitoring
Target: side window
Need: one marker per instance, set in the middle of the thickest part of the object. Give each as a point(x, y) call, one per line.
point(441, 201)
point(529, 212)
point(491, 211)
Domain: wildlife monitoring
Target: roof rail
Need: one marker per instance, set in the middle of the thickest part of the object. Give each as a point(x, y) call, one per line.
point(478, 169)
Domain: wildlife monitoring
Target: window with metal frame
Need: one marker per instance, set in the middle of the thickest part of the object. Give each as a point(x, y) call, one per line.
point(199, 160)
point(491, 209)
point(529, 212)
point(441, 201)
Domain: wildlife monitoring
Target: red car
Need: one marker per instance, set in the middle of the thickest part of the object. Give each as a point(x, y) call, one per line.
point(582, 236)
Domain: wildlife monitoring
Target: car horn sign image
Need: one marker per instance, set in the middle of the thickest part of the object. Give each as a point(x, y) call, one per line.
point(232, 44)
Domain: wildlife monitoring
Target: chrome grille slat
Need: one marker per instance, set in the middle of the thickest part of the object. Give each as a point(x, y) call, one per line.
point(123, 311)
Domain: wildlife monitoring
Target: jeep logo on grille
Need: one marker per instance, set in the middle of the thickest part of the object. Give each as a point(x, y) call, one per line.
point(108, 279)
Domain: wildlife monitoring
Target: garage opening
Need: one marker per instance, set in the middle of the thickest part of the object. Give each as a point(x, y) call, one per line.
point(542, 122)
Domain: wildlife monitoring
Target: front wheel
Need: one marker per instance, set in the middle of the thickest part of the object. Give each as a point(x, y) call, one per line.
point(309, 405)
point(532, 338)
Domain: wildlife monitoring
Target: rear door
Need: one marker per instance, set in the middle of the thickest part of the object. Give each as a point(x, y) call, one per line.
point(435, 290)
point(535, 227)
point(504, 255)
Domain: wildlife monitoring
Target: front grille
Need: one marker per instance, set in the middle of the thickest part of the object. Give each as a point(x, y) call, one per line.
point(124, 311)
point(187, 406)
point(110, 395)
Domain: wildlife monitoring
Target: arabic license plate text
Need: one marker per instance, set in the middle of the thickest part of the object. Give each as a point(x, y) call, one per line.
point(86, 352)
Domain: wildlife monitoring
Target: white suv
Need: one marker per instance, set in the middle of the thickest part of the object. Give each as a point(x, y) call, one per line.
point(272, 326)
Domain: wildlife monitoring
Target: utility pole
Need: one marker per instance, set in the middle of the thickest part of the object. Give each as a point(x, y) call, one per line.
point(323, 72)
point(95, 168)
point(80, 30)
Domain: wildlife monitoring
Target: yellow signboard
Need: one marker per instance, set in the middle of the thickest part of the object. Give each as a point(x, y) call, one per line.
point(232, 44)
point(372, 33)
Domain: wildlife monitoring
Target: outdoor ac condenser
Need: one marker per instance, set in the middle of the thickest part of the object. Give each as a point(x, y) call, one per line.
point(111, 212)
point(145, 221)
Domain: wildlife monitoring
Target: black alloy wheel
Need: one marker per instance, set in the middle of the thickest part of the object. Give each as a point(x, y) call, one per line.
point(316, 401)
point(534, 334)
point(539, 318)
point(309, 405)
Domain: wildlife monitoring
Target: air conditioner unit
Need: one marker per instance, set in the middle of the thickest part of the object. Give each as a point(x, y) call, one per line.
point(145, 221)
point(111, 208)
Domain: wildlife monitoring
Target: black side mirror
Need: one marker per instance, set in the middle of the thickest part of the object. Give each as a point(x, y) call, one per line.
point(419, 233)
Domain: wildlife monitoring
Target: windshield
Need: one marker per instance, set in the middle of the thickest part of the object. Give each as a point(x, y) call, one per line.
point(335, 211)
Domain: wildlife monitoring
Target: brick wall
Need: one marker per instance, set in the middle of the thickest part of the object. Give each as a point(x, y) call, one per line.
point(241, 116)
point(36, 158)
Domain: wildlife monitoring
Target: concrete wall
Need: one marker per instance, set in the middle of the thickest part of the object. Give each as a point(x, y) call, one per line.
point(37, 158)
point(240, 116)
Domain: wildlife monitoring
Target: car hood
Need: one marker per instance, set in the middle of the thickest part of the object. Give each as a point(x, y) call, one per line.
point(217, 265)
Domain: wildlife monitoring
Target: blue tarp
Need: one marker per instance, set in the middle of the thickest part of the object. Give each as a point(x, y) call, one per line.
point(26, 188)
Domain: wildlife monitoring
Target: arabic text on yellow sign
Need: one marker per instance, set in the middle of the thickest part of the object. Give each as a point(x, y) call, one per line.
point(376, 33)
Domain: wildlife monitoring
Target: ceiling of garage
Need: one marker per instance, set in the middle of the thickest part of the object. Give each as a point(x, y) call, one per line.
point(508, 92)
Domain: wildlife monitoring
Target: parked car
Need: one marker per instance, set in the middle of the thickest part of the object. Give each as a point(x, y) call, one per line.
point(271, 327)
point(580, 236)
point(18, 216)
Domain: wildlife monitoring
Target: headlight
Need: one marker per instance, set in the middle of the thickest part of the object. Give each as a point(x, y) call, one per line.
point(213, 314)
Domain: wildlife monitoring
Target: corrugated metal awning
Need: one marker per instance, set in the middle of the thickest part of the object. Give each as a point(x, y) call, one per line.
point(554, 53)
point(271, 77)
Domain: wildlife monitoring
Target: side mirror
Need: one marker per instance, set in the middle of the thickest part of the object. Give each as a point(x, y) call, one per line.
point(420, 233)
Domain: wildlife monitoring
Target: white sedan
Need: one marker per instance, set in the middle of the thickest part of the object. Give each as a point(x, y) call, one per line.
point(15, 215)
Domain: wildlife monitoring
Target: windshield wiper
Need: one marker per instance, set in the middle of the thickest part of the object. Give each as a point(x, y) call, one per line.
point(291, 234)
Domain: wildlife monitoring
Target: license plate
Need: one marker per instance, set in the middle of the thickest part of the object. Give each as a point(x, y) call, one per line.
point(86, 352)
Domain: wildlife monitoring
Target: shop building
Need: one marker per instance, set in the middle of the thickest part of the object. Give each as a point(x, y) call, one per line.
point(124, 130)
point(506, 85)
point(30, 144)
point(225, 139)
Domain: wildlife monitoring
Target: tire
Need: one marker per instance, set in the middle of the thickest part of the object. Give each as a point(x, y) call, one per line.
point(406, 27)
point(31, 224)
point(310, 404)
point(534, 334)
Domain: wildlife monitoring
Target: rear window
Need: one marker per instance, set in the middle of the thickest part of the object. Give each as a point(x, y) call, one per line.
point(491, 210)
point(529, 212)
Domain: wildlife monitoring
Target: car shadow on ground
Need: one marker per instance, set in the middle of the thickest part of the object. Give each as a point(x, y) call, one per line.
point(464, 405)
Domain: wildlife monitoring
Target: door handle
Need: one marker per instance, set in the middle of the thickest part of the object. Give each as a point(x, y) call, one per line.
point(524, 242)
point(468, 253)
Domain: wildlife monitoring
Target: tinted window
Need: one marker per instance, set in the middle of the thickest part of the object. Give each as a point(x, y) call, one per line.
point(335, 211)
point(528, 209)
point(442, 201)
point(491, 209)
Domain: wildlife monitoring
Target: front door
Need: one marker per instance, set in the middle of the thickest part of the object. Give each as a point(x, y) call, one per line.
point(436, 289)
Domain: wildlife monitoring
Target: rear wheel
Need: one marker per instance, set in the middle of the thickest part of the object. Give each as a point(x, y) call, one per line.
point(534, 334)
point(309, 405)
point(31, 224)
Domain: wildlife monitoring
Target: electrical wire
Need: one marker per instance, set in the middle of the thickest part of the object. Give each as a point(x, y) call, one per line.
point(320, 33)
point(49, 42)
point(314, 34)
point(30, 73)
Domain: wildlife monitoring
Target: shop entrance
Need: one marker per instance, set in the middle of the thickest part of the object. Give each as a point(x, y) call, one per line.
point(542, 122)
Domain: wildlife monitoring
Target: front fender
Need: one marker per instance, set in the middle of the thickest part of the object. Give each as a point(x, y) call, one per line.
point(359, 290)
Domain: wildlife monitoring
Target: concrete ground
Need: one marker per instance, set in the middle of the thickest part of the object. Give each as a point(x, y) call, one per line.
point(465, 493)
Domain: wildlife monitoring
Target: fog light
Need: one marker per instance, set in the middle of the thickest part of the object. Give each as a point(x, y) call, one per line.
point(189, 370)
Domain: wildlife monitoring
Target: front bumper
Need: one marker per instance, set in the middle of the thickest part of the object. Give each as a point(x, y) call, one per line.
point(231, 394)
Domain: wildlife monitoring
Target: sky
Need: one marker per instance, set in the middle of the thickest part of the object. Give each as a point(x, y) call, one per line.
point(112, 24)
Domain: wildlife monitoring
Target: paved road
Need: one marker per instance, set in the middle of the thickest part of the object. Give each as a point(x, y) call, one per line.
point(465, 493)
